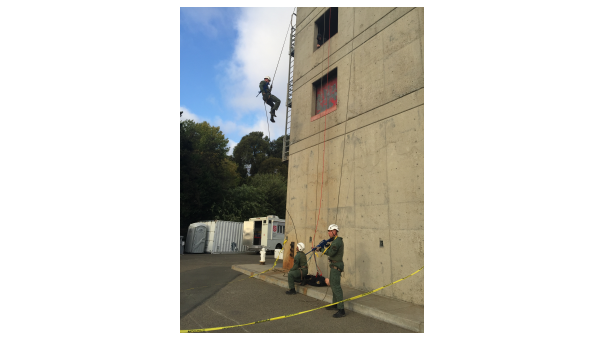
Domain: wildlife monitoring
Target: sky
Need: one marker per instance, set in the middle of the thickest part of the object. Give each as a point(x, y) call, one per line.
point(224, 54)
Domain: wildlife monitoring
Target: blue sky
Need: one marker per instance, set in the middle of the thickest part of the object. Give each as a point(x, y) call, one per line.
point(224, 54)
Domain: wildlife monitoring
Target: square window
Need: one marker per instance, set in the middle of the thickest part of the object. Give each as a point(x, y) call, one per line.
point(326, 26)
point(325, 93)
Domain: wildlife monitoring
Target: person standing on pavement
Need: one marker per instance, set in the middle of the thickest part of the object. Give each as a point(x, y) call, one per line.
point(299, 270)
point(335, 253)
point(270, 99)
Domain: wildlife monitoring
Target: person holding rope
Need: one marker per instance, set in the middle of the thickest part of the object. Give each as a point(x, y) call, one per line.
point(268, 98)
point(335, 252)
point(300, 268)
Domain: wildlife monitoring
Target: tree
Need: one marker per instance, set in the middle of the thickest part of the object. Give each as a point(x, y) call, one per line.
point(250, 152)
point(242, 203)
point(206, 171)
point(276, 147)
point(274, 189)
point(274, 165)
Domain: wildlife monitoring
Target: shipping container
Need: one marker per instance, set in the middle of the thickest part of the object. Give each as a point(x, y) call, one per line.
point(224, 237)
point(196, 238)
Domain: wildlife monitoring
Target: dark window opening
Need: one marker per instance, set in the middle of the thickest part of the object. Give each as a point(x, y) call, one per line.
point(327, 26)
point(258, 228)
point(325, 92)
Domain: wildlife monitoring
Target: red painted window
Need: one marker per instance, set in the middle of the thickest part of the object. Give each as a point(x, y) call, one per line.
point(326, 95)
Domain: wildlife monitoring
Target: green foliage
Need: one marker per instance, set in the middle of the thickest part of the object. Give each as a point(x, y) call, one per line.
point(276, 147)
point(206, 171)
point(274, 166)
point(251, 151)
point(217, 186)
point(242, 203)
point(274, 188)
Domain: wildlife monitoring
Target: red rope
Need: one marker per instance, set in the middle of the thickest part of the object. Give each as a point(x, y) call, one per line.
point(325, 125)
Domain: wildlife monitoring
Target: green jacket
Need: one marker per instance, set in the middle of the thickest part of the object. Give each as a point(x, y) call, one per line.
point(264, 88)
point(335, 253)
point(300, 260)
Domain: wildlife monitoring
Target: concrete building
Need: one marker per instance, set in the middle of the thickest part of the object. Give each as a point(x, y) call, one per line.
point(362, 91)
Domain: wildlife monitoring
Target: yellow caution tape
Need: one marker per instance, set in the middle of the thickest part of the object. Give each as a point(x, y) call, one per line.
point(290, 315)
point(276, 258)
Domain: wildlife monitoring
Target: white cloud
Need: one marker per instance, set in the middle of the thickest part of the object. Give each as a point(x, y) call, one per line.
point(189, 115)
point(228, 127)
point(232, 146)
point(261, 35)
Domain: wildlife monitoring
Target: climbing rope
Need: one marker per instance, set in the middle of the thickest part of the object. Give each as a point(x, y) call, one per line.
point(274, 73)
point(325, 127)
point(344, 141)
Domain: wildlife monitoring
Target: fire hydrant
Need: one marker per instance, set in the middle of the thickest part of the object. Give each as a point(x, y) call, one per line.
point(262, 255)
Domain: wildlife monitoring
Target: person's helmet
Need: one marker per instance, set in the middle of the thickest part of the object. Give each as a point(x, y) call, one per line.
point(300, 246)
point(267, 77)
point(333, 227)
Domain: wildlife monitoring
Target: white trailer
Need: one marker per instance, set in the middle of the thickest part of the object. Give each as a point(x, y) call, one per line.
point(267, 232)
point(223, 237)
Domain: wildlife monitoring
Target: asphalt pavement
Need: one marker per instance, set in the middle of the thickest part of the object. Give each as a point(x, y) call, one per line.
point(215, 295)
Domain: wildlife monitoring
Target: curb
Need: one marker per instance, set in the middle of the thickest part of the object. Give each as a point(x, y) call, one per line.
point(355, 306)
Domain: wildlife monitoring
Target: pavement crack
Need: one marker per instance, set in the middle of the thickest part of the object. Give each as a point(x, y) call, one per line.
point(200, 326)
point(223, 315)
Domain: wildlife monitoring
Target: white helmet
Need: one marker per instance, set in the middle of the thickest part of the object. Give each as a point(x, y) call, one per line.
point(333, 227)
point(267, 77)
point(300, 246)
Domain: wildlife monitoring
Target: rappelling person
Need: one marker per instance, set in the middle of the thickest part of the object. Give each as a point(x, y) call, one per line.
point(299, 270)
point(268, 98)
point(335, 252)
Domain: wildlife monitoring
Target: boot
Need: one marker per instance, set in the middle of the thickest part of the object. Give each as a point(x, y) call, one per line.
point(272, 119)
point(291, 291)
point(333, 307)
point(339, 314)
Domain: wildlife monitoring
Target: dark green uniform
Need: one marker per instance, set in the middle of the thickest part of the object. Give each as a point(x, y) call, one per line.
point(270, 99)
point(335, 253)
point(299, 269)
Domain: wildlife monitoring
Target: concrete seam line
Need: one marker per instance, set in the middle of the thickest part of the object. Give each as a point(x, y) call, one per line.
point(352, 49)
point(356, 128)
point(290, 315)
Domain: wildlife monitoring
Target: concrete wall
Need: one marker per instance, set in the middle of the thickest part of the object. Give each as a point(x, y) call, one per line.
point(373, 165)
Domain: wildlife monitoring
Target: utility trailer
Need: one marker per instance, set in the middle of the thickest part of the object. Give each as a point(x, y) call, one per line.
point(264, 232)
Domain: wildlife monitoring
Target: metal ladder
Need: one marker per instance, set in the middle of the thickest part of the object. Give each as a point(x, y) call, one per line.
point(286, 147)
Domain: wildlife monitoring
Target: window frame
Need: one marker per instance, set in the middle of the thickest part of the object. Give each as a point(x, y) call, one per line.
point(329, 33)
point(330, 76)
